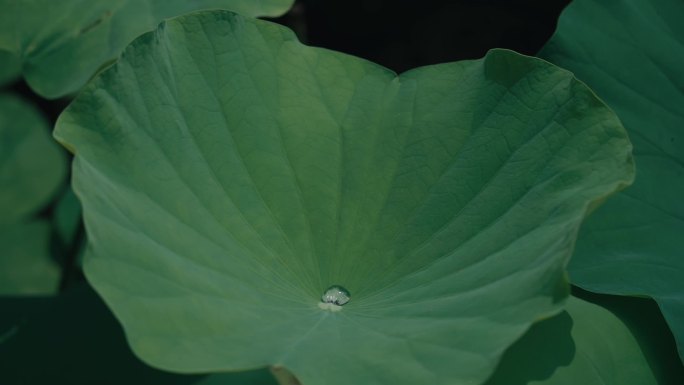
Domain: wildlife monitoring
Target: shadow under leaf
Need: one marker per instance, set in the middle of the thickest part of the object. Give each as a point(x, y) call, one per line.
point(536, 356)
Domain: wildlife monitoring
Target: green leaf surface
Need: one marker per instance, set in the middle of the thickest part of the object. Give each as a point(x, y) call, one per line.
point(32, 165)
point(26, 267)
point(62, 44)
point(229, 175)
point(590, 345)
point(631, 52)
point(10, 67)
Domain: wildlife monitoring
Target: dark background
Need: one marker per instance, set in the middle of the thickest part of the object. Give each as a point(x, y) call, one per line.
point(404, 34)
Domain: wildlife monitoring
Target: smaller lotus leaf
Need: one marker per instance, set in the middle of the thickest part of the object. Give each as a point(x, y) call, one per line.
point(10, 67)
point(632, 53)
point(32, 165)
point(26, 267)
point(62, 44)
point(588, 344)
point(230, 176)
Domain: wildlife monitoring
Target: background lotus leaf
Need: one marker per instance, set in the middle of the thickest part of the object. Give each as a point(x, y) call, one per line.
point(632, 53)
point(628, 343)
point(62, 44)
point(10, 68)
point(32, 165)
point(230, 174)
point(25, 263)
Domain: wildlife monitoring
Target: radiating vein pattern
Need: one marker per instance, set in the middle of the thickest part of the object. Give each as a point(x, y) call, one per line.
point(241, 174)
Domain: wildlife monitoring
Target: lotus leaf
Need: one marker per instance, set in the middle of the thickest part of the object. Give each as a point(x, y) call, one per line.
point(229, 175)
point(62, 44)
point(26, 267)
point(10, 68)
point(32, 165)
point(590, 345)
point(632, 53)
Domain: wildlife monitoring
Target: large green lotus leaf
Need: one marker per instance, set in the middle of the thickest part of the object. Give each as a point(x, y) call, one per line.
point(590, 345)
point(632, 53)
point(32, 165)
point(229, 175)
point(10, 68)
point(61, 44)
point(26, 267)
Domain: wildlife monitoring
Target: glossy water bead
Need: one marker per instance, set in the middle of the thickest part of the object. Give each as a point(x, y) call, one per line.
point(334, 298)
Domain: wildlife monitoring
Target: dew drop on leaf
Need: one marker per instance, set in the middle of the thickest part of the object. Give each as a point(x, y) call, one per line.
point(336, 295)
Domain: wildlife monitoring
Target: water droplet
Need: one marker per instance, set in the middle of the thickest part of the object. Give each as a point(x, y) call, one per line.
point(334, 297)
